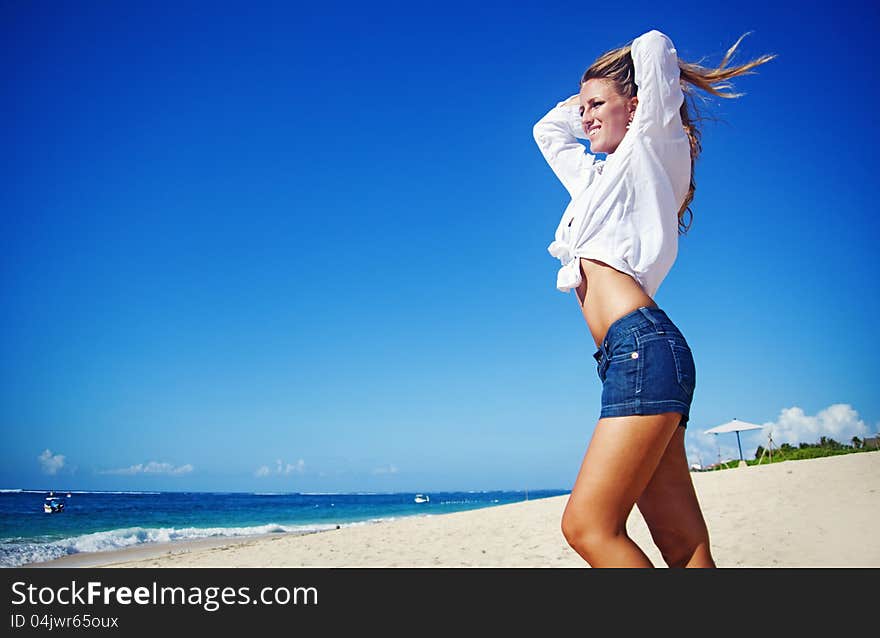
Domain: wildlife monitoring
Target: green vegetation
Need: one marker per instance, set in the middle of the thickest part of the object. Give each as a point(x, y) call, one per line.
point(785, 452)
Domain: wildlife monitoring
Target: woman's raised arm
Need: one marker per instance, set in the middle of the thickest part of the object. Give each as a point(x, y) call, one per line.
point(556, 135)
point(655, 62)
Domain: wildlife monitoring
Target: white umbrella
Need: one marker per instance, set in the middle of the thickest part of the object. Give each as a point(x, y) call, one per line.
point(734, 426)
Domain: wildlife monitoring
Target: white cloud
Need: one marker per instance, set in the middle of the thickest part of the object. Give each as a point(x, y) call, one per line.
point(839, 421)
point(153, 467)
point(299, 467)
point(281, 468)
point(390, 469)
point(51, 463)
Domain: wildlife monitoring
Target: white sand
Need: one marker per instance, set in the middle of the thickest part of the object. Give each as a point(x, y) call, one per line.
point(814, 513)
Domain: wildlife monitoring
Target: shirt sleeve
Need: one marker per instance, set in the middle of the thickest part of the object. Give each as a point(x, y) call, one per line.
point(556, 135)
point(659, 91)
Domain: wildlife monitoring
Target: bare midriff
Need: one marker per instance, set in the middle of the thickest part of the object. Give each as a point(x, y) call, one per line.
point(605, 295)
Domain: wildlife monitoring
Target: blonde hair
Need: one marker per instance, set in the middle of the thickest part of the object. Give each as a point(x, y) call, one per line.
point(617, 66)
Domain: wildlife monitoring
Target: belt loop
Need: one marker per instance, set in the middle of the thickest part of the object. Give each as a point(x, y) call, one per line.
point(647, 314)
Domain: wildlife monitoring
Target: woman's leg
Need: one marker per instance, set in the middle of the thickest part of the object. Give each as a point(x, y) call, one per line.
point(671, 510)
point(620, 461)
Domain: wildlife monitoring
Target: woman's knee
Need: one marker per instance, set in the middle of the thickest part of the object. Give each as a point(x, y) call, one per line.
point(679, 545)
point(570, 527)
point(586, 533)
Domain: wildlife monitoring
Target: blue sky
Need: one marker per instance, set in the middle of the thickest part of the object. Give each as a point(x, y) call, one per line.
point(260, 246)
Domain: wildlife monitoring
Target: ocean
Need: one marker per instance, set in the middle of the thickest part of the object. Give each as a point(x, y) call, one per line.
point(103, 521)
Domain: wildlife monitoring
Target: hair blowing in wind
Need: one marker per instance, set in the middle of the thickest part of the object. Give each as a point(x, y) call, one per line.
point(617, 65)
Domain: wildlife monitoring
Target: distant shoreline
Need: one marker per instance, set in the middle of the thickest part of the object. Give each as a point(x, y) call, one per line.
point(809, 513)
point(147, 551)
point(93, 528)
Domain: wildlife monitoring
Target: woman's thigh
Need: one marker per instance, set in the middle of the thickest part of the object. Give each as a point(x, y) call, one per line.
point(621, 458)
point(669, 502)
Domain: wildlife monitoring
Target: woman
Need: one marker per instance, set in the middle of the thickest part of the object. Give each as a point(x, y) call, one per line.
point(617, 240)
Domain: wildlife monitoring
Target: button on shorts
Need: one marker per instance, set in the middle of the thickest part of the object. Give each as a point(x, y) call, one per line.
point(646, 366)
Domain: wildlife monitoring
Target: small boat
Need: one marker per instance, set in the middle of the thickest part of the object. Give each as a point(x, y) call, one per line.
point(53, 505)
point(422, 498)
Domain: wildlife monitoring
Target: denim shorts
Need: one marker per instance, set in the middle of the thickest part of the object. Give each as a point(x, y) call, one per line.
point(646, 366)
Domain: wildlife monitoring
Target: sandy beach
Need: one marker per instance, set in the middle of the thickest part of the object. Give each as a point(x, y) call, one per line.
point(812, 513)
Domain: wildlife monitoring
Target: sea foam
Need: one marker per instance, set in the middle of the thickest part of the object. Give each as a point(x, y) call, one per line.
point(15, 554)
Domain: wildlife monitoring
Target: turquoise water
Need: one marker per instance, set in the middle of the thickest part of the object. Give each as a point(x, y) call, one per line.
point(102, 521)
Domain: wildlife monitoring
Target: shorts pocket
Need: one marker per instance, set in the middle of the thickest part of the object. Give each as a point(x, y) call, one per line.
point(625, 373)
point(616, 361)
point(616, 352)
point(602, 368)
point(685, 370)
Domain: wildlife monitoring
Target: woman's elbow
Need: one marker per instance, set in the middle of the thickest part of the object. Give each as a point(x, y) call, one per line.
point(541, 136)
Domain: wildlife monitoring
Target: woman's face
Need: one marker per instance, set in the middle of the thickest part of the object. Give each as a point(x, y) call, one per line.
point(604, 114)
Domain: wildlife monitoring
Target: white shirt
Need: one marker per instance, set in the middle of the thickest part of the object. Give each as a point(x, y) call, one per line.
point(624, 210)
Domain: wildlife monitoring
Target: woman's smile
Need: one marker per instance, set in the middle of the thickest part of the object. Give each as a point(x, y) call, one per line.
point(605, 114)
